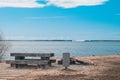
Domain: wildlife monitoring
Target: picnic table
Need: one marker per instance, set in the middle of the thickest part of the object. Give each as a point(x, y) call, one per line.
point(21, 59)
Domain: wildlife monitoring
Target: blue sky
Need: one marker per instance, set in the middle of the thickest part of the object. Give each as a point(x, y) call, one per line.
point(60, 19)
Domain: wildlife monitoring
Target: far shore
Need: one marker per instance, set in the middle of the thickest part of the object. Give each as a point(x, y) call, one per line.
point(100, 68)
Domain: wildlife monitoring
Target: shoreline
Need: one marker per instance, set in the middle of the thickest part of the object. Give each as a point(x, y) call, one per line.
point(104, 68)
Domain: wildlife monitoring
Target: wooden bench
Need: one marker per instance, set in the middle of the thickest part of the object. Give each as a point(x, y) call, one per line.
point(20, 59)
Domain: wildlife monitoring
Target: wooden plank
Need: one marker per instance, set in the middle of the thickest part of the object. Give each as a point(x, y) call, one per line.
point(66, 59)
point(33, 54)
point(19, 57)
point(27, 62)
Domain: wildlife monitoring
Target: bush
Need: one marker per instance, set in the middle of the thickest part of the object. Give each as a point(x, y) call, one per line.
point(3, 47)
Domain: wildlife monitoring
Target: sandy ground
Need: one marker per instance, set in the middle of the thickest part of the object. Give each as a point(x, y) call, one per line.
point(100, 68)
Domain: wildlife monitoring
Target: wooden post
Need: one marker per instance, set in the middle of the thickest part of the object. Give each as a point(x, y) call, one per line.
point(66, 60)
point(19, 58)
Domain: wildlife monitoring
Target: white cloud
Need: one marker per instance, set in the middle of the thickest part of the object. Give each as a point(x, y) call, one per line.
point(20, 3)
point(75, 3)
point(58, 3)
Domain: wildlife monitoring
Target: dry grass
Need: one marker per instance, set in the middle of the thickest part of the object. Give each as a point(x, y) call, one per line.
point(104, 68)
point(110, 72)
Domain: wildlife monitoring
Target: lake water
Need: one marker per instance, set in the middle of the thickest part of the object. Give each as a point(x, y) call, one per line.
point(59, 47)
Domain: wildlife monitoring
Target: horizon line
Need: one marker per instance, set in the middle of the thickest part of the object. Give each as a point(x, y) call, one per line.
point(68, 40)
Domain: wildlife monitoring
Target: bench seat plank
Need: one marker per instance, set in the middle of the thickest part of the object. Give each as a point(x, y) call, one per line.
point(33, 54)
point(39, 62)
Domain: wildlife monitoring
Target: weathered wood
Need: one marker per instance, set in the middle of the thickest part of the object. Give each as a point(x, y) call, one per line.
point(33, 54)
point(39, 62)
point(75, 61)
point(20, 60)
point(52, 60)
point(19, 57)
point(66, 60)
point(45, 58)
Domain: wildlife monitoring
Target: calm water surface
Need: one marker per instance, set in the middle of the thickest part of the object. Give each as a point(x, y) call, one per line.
point(75, 48)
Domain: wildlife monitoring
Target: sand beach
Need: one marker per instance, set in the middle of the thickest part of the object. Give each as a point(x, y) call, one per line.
point(100, 68)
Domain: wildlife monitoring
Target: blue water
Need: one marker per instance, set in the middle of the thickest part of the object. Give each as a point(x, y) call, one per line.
point(59, 47)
